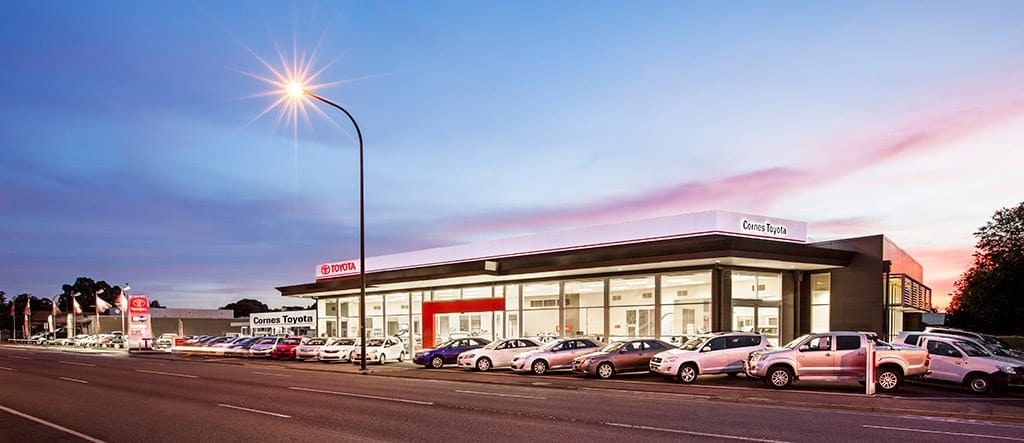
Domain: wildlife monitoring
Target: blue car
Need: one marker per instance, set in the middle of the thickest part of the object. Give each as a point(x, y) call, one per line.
point(448, 352)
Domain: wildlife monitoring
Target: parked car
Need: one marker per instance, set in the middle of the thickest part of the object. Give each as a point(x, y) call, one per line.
point(310, 348)
point(448, 352)
point(285, 348)
point(916, 338)
point(164, 341)
point(263, 347)
point(338, 349)
point(991, 341)
point(497, 354)
point(957, 360)
point(618, 357)
point(381, 350)
point(716, 353)
point(241, 348)
point(836, 356)
point(553, 355)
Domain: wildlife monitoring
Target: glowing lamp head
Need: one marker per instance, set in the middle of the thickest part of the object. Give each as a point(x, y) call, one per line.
point(295, 90)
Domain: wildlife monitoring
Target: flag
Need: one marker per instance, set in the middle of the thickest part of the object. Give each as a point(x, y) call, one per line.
point(101, 305)
point(78, 307)
point(55, 309)
point(28, 308)
point(121, 301)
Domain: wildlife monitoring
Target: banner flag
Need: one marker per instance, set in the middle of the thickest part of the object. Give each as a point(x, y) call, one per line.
point(78, 307)
point(102, 305)
point(28, 308)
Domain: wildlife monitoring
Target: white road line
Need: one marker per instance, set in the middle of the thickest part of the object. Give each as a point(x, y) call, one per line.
point(52, 425)
point(172, 374)
point(75, 380)
point(958, 398)
point(694, 433)
point(6, 368)
point(271, 375)
point(254, 410)
point(501, 395)
point(929, 431)
point(349, 394)
point(76, 363)
point(20, 357)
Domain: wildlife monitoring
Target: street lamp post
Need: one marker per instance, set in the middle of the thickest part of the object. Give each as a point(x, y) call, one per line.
point(296, 91)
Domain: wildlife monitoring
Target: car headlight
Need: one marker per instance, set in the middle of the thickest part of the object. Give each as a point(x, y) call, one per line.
point(1008, 369)
point(671, 359)
point(469, 356)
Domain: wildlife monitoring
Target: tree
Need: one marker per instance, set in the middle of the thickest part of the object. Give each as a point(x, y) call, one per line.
point(87, 289)
point(246, 306)
point(156, 304)
point(989, 297)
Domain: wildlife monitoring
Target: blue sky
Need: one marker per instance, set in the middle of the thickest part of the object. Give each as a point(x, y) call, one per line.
point(130, 152)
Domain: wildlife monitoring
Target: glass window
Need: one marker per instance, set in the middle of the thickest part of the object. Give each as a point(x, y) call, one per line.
point(820, 343)
point(584, 293)
point(847, 342)
point(689, 287)
point(943, 349)
point(512, 297)
point(540, 296)
point(766, 286)
point(685, 305)
point(717, 343)
point(477, 292)
point(631, 322)
point(446, 294)
point(631, 291)
point(821, 288)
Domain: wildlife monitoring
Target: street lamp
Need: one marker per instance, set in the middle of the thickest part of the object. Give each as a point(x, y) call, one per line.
point(297, 91)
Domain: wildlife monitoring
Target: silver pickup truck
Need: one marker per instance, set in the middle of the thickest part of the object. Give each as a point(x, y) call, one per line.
point(836, 356)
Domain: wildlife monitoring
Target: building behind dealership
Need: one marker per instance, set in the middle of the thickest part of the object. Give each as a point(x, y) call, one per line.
point(668, 277)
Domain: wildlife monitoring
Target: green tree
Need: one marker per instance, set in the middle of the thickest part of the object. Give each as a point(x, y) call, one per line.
point(156, 304)
point(246, 306)
point(87, 289)
point(989, 297)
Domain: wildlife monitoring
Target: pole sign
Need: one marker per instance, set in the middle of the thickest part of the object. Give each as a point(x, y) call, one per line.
point(140, 330)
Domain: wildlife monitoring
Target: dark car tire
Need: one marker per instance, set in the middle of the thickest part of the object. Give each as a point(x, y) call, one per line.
point(401, 357)
point(381, 359)
point(688, 373)
point(539, 367)
point(483, 364)
point(605, 370)
point(890, 378)
point(779, 377)
point(436, 362)
point(980, 384)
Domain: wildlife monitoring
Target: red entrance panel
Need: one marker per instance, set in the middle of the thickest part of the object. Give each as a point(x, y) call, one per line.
point(445, 307)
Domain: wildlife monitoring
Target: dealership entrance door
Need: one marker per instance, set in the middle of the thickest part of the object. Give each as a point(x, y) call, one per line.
point(443, 318)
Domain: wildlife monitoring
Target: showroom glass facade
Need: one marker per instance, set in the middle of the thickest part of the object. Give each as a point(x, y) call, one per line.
point(671, 306)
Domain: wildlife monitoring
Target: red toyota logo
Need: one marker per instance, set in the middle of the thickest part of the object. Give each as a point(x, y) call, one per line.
point(138, 303)
point(325, 269)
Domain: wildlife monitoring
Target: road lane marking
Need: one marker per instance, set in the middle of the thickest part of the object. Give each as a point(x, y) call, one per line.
point(51, 425)
point(271, 375)
point(694, 433)
point(20, 357)
point(172, 374)
point(75, 380)
point(6, 368)
point(349, 394)
point(929, 431)
point(501, 395)
point(76, 363)
point(253, 410)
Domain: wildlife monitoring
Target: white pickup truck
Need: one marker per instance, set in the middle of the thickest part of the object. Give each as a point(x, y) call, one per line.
point(836, 356)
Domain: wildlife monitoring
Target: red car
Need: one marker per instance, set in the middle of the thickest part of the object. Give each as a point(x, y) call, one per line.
point(285, 349)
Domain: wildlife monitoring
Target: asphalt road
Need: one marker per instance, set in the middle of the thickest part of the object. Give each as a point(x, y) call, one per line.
point(47, 395)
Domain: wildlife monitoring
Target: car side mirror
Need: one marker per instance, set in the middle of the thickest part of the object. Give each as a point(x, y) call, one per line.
point(622, 350)
point(804, 348)
point(706, 349)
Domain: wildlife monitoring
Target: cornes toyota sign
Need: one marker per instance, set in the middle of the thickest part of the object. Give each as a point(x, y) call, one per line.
point(288, 319)
point(337, 269)
point(763, 227)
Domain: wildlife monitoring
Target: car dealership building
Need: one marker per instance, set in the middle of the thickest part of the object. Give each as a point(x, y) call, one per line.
point(667, 277)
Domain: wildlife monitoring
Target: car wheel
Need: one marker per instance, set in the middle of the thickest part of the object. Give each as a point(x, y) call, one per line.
point(779, 377)
point(539, 367)
point(380, 360)
point(437, 362)
point(979, 383)
point(889, 379)
point(605, 370)
point(401, 357)
point(483, 364)
point(688, 373)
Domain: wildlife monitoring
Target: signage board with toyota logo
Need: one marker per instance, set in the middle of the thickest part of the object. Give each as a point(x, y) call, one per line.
point(140, 330)
point(337, 269)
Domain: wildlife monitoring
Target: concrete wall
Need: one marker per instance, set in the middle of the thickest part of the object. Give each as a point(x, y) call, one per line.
point(858, 291)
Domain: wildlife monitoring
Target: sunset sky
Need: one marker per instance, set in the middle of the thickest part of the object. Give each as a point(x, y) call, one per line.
point(133, 148)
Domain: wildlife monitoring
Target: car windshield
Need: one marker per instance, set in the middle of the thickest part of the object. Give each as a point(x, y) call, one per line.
point(291, 341)
point(694, 343)
point(344, 342)
point(267, 341)
point(796, 341)
point(375, 342)
point(971, 349)
point(551, 345)
point(494, 344)
point(316, 341)
point(613, 346)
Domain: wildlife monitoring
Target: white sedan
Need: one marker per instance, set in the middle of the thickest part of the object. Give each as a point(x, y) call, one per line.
point(497, 354)
point(339, 349)
point(381, 350)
